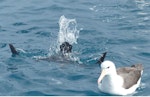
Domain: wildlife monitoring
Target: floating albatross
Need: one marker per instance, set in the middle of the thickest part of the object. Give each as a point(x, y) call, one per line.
point(121, 81)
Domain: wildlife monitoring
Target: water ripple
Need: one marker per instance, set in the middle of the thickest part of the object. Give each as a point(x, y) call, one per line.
point(120, 27)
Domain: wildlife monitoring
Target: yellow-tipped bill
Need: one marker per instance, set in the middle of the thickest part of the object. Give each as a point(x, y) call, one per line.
point(103, 73)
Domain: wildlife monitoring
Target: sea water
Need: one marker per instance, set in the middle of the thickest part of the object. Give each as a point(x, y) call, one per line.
point(38, 27)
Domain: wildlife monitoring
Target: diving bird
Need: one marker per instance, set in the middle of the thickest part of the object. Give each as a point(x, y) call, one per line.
point(121, 81)
point(64, 54)
point(65, 47)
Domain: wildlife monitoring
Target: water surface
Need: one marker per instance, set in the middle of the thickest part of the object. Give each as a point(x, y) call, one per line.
point(120, 27)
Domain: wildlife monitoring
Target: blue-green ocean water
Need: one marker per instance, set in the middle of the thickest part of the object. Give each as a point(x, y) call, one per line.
point(120, 27)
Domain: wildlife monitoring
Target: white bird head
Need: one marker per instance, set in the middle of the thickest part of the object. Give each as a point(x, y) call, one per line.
point(107, 68)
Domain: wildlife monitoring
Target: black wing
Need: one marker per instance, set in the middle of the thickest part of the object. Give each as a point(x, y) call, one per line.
point(13, 50)
point(102, 58)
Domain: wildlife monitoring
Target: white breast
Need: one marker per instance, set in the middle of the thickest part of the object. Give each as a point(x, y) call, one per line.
point(111, 84)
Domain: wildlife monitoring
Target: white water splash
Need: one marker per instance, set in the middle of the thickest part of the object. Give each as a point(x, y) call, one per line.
point(68, 31)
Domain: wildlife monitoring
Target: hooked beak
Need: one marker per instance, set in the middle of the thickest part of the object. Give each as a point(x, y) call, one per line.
point(103, 73)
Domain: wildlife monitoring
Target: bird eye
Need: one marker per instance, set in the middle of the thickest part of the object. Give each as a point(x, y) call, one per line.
point(108, 67)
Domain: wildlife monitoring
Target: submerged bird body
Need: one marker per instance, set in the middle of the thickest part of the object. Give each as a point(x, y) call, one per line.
point(121, 81)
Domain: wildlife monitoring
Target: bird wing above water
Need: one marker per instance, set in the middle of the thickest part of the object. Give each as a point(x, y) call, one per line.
point(131, 75)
